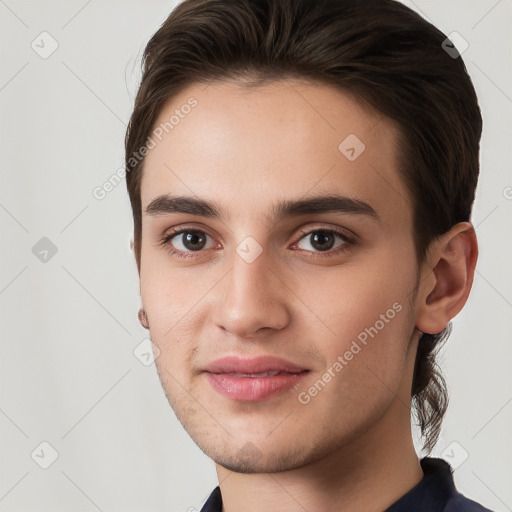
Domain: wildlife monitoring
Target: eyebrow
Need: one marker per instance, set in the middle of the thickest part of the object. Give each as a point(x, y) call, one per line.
point(332, 203)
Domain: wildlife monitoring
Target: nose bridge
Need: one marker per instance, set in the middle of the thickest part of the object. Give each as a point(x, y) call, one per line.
point(252, 295)
point(251, 271)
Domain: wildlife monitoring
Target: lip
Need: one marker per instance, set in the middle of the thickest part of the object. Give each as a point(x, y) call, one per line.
point(236, 364)
point(234, 377)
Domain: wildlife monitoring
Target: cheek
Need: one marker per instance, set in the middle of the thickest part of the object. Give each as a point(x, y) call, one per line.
point(169, 303)
point(365, 325)
point(170, 296)
point(350, 299)
point(364, 358)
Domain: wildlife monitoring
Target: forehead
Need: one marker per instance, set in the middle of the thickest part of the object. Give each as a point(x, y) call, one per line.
point(246, 147)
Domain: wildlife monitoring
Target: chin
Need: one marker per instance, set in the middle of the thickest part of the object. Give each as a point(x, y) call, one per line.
point(261, 464)
point(273, 458)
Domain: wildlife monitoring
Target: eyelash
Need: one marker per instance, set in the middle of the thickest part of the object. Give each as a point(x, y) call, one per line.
point(165, 242)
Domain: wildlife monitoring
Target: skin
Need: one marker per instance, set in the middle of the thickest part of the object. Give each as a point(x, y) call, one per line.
point(350, 447)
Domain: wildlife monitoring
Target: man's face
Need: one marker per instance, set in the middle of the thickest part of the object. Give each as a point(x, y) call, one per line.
point(252, 284)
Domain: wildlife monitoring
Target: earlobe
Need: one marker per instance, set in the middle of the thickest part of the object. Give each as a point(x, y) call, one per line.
point(448, 277)
point(143, 319)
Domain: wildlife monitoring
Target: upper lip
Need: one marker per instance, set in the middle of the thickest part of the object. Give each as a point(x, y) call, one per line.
point(261, 364)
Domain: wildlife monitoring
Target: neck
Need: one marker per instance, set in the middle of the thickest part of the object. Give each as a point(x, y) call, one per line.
point(367, 475)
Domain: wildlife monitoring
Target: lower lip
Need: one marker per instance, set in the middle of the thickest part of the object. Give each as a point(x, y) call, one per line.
point(253, 389)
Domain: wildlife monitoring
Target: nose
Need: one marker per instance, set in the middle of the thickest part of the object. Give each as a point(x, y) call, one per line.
point(253, 298)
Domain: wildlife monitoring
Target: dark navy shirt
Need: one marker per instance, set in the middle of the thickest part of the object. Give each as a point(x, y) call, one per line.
point(435, 492)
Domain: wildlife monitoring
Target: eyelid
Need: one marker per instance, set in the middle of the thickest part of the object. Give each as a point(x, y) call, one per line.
point(173, 232)
point(348, 233)
point(342, 231)
point(349, 239)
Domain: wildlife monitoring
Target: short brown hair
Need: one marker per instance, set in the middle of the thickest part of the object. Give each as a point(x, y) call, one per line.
point(378, 50)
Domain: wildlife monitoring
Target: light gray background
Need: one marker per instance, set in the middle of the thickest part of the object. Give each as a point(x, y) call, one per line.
point(69, 326)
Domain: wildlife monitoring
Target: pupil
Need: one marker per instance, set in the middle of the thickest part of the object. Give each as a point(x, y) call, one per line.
point(192, 239)
point(319, 238)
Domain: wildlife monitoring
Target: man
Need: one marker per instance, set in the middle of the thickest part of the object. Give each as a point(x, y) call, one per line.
point(301, 175)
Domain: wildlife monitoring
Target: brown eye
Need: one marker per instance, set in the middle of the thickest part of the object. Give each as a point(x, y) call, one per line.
point(323, 240)
point(193, 241)
point(188, 240)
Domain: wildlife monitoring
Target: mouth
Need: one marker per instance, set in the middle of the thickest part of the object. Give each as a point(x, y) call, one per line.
point(253, 380)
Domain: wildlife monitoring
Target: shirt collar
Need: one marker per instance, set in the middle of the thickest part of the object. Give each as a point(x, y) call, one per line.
point(430, 494)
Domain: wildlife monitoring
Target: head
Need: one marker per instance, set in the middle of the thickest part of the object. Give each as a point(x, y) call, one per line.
point(250, 107)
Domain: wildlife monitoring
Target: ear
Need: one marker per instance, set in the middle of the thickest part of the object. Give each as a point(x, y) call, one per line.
point(446, 278)
point(143, 318)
